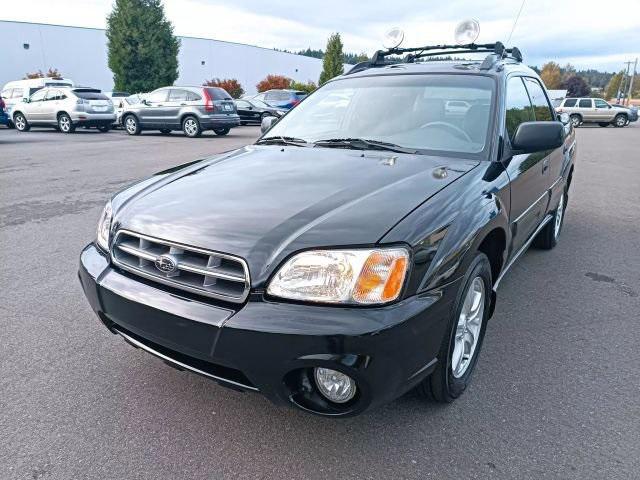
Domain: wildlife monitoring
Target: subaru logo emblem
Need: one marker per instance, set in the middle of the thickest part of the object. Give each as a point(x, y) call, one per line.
point(166, 263)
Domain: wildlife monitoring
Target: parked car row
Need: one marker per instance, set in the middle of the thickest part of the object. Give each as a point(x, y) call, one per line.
point(596, 110)
point(61, 104)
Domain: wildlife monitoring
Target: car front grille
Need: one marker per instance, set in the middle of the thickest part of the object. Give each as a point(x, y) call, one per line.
point(204, 272)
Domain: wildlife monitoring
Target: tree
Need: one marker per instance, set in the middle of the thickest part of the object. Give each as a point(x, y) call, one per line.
point(577, 87)
point(353, 58)
point(568, 71)
point(231, 85)
point(305, 87)
point(270, 82)
point(51, 73)
point(332, 65)
point(612, 87)
point(551, 75)
point(143, 52)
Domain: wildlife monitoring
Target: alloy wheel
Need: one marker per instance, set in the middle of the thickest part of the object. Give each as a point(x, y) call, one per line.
point(468, 328)
point(575, 121)
point(621, 121)
point(558, 219)
point(65, 123)
point(130, 125)
point(190, 127)
point(20, 122)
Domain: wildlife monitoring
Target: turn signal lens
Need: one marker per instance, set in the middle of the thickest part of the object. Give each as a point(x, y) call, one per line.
point(362, 276)
point(381, 278)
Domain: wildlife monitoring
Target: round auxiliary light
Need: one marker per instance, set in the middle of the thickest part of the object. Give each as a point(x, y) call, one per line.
point(334, 385)
point(393, 38)
point(467, 31)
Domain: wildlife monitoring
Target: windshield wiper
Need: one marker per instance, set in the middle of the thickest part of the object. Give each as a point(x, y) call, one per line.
point(280, 140)
point(362, 143)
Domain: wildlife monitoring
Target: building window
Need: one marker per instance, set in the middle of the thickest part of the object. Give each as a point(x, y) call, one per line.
point(25, 46)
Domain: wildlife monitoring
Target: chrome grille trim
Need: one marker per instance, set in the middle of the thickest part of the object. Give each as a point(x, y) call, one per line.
point(204, 272)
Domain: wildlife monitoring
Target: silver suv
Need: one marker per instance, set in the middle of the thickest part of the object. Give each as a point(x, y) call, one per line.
point(593, 110)
point(190, 109)
point(64, 109)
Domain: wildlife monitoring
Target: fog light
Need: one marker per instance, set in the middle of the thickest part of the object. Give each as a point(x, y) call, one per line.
point(334, 385)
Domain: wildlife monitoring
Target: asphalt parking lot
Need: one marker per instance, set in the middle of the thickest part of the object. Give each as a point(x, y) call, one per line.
point(555, 394)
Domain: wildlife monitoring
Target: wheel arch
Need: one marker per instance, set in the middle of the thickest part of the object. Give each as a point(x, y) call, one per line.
point(494, 245)
point(129, 114)
point(188, 114)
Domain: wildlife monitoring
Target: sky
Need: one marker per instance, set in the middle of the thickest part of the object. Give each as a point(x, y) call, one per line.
point(586, 33)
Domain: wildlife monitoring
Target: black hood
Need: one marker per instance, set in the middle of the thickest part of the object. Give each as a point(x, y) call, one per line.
point(264, 202)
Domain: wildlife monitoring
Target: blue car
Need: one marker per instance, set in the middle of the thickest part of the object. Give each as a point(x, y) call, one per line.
point(4, 115)
point(282, 99)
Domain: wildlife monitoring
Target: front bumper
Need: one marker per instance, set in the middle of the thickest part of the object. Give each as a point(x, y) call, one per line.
point(272, 347)
point(85, 119)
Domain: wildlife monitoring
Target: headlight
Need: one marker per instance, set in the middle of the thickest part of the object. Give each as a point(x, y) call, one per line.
point(362, 276)
point(104, 227)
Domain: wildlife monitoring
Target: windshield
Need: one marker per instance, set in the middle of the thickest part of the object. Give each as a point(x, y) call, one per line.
point(442, 114)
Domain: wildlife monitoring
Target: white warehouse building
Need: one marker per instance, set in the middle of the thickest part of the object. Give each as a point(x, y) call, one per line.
point(81, 54)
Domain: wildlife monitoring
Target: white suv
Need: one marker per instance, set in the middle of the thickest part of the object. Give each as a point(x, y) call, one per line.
point(593, 110)
point(65, 109)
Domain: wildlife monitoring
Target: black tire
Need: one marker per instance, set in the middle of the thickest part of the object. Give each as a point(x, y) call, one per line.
point(442, 385)
point(21, 123)
point(604, 124)
point(131, 125)
point(65, 124)
point(576, 120)
point(165, 131)
point(620, 120)
point(221, 131)
point(10, 125)
point(548, 237)
point(191, 126)
point(104, 128)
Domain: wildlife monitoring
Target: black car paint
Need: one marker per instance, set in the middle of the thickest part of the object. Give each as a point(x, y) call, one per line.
point(286, 199)
point(253, 113)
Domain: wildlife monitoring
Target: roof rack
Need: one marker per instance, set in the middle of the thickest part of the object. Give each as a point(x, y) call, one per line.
point(497, 52)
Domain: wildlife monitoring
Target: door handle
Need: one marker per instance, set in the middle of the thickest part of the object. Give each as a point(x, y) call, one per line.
point(545, 165)
point(182, 104)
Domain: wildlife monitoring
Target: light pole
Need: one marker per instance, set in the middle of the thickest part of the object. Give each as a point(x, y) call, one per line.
point(635, 66)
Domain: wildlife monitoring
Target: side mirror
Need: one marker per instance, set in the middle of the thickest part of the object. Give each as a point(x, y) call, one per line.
point(144, 101)
point(26, 100)
point(538, 136)
point(565, 118)
point(267, 123)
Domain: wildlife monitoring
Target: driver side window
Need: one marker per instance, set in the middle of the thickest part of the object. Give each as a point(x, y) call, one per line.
point(38, 96)
point(601, 104)
point(518, 106)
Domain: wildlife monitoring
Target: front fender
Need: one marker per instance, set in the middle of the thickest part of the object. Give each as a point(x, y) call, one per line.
point(446, 231)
